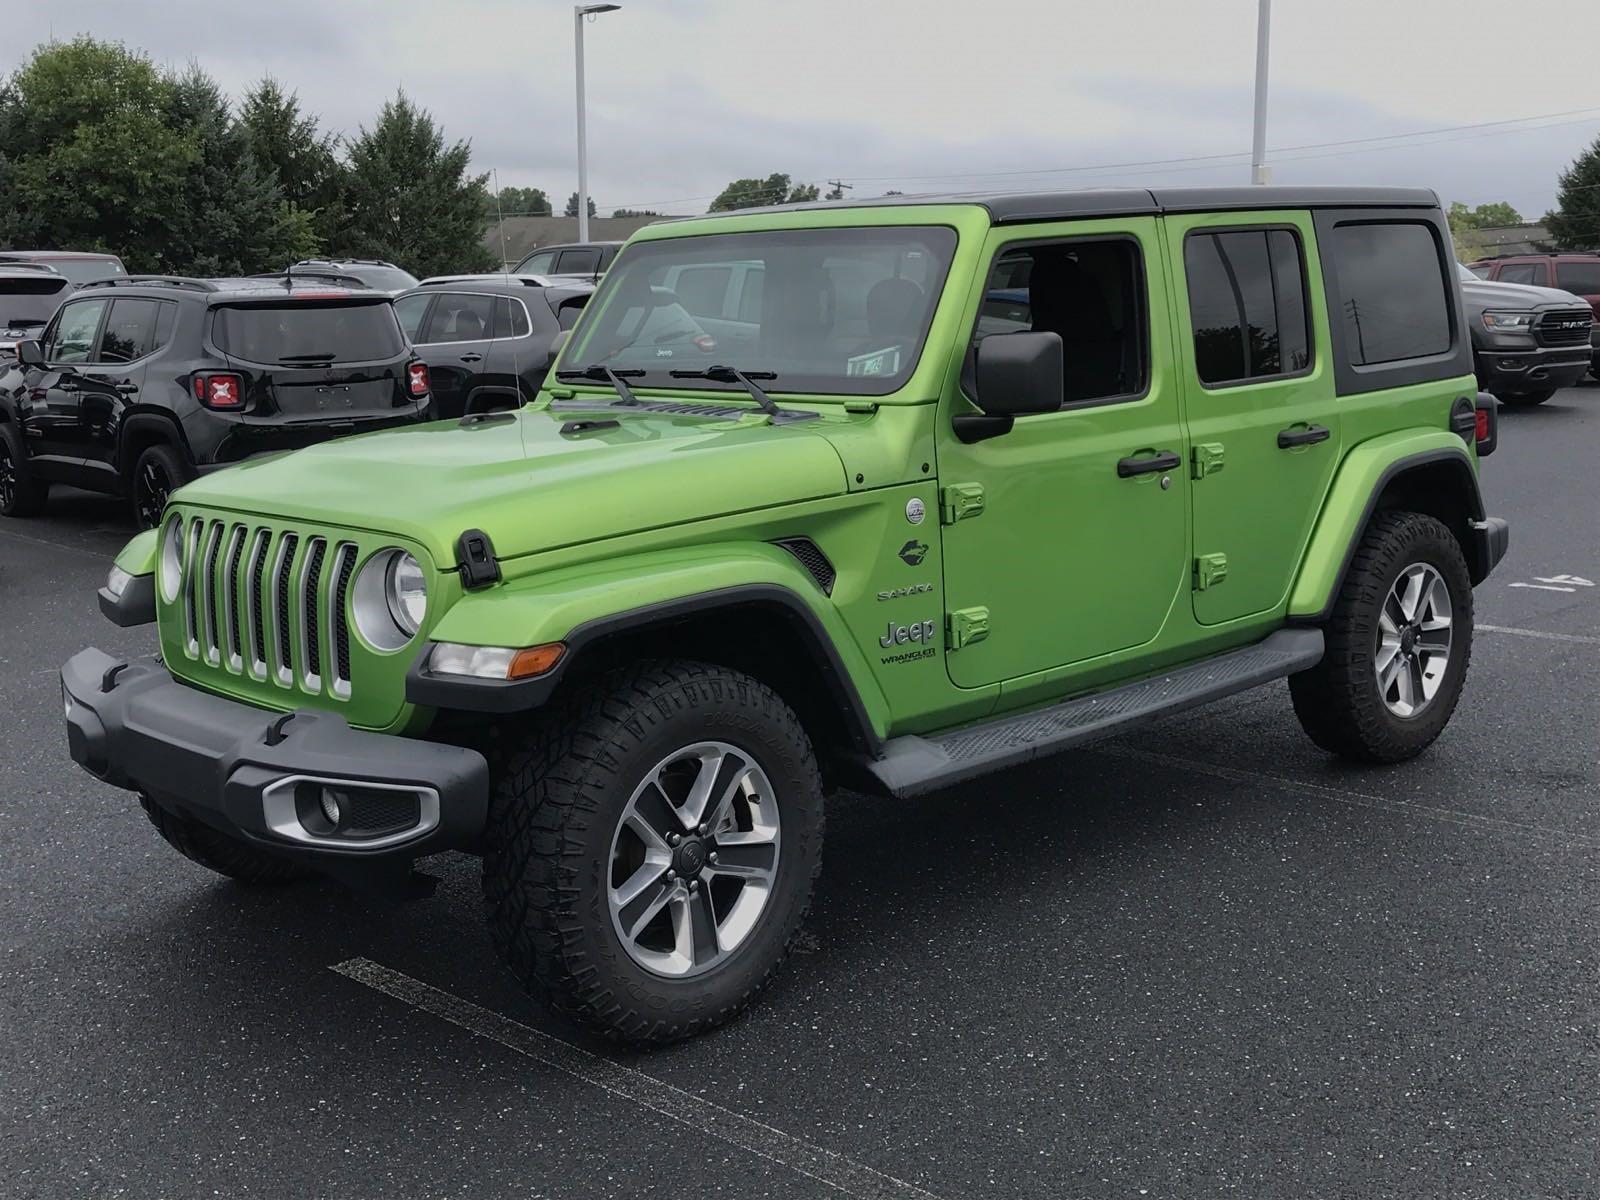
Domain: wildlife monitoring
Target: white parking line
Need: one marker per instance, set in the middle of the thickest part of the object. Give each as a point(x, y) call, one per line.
point(1579, 638)
point(673, 1103)
point(1359, 799)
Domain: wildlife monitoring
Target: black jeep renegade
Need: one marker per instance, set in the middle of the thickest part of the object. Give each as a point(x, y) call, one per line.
point(141, 382)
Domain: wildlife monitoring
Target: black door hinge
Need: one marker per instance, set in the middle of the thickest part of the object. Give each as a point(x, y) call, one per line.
point(475, 560)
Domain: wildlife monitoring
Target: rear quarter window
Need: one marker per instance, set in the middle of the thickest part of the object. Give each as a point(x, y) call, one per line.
point(1393, 303)
point(1582, 278)
point(302, 331)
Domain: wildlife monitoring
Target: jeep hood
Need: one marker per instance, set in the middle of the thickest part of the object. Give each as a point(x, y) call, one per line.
point(527, 484)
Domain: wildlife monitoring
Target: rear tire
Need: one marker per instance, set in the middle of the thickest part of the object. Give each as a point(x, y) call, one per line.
point(218, 852)
point(601, 874)
point(1369, 699)
point(21, 494)
point(157, 473)
point(1527, 399)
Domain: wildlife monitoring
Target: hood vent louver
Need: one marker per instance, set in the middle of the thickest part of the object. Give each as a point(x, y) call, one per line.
point(813, 560)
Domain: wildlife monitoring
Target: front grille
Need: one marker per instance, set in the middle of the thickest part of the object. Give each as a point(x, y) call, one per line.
point(1564, 327)
point(268, 604)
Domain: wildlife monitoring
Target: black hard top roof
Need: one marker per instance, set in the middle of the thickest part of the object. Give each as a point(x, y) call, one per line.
point(1016, 207)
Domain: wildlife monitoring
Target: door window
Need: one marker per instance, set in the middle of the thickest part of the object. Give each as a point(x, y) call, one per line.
point(1581, 278)
point(542, 263)
point(510, 318)
point(459, 317)
point(578, 262)
point(703, 291)
point(71, 338)
point(1522, 273)
point(1247, 305)
point(133, 331)
point(410, 310)
point(1087, 292)
point(1392, 297)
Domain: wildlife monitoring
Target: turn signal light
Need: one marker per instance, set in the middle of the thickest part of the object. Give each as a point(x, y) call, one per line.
point(535, 660)
point(222, 391)
point(417, 378)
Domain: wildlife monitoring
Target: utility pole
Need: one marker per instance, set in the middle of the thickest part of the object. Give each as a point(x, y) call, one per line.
point(838, 189)
point(1259, 172)
point(579, 12)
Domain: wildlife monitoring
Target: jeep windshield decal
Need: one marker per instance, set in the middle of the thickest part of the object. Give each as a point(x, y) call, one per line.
point(830, 311)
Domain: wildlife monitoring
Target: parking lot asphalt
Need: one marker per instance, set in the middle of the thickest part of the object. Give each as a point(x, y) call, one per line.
point(1204, 961)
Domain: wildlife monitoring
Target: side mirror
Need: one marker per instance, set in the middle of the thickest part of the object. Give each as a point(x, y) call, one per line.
point(1015, 375)
point(30, 353)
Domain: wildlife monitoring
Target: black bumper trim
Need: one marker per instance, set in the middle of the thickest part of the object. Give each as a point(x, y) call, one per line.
point(136, 605)
point(134, 726)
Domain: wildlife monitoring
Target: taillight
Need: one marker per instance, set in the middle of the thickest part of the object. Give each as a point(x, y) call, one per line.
point(417, 378)
point(1483, 425)
point(222, 391)
point(1486, 424)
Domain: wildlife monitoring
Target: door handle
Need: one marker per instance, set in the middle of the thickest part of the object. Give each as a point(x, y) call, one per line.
point(126, 387)
point(66, 386)
point(1288, 439)
point(1164, 460)
point(472, 358)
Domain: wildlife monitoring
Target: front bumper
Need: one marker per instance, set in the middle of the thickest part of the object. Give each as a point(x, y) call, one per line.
point(257, 775)
point(1515, 371)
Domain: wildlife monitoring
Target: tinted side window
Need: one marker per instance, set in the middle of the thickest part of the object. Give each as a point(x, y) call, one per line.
point(71, 338)
point(132, 331)
point(458, 317)
point(1582, 278)
point(510, 318)
point(1090, 293)
point(1522, 273)
point(578, 262)
point(1247, 304)
point(704, 290)
point(542, 263)
point(410, 311)
point(1393, 303)
point(570, 311)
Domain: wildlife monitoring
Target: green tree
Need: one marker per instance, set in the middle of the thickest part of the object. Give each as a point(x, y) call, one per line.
point(1575, 223)
point(636, 212)
point(753, 193)
point(287, 141)
point(409, 199)
point(232, 218)
point(1466, 222)
point(572, 205)
point(517, 202)
point(90, 153)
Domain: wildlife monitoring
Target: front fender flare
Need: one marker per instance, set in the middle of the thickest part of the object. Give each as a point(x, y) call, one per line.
point(583, 605)
point(1366, 471)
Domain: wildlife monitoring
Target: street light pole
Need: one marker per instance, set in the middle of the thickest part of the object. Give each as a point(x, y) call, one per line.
point(579, 12)
point(1258, 150)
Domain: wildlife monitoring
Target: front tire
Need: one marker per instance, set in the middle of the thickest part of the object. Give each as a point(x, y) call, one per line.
point(21, 495)
point(651, 849)
point(1398, 643)
point(157, 473)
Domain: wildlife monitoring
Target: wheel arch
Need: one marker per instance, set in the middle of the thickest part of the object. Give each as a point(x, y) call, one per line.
point(145, 428)
point(1430, 473)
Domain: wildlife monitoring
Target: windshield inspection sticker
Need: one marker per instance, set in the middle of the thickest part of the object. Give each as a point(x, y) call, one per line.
point(874, 362)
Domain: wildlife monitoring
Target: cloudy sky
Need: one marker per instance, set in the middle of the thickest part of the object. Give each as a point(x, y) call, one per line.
point(918, 95)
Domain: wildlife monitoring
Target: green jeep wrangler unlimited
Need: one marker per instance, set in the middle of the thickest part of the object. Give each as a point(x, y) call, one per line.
point(881, 495)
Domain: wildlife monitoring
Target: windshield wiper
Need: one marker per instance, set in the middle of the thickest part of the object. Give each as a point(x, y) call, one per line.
point(746, 380)
point(601, 373)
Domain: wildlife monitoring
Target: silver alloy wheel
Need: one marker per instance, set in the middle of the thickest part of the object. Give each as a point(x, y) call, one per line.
point(1414, 635)
point(693, 859)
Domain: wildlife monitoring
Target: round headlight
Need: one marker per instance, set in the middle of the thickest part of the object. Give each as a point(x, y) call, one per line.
point(389, 599)
point(171, 566)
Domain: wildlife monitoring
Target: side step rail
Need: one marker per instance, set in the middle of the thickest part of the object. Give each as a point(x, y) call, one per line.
point(912, 764)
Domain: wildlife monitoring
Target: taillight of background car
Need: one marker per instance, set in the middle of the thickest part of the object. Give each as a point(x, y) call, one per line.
point(417, 378)
point(219, 390)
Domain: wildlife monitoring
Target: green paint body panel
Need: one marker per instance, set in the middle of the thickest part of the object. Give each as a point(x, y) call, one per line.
point(1038, 570)
point(138, 557)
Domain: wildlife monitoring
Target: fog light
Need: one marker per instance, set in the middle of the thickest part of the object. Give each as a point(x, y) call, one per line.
point(330, 807)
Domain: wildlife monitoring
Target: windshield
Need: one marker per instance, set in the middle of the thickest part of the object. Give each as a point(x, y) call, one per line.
point(841, 311)
point(81, 270)
point(315, 333)
point(389, 279)
point(28, 301)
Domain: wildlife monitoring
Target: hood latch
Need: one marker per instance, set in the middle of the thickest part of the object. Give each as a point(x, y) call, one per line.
point(476, 561)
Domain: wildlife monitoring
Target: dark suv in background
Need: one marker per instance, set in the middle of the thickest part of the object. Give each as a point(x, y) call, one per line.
point(140, 383)
point(79, 266)
point(1575, 273)
point(488, 340)
point(374, 273)
point(588, 260)
point(1527, 342)
point(30, 293)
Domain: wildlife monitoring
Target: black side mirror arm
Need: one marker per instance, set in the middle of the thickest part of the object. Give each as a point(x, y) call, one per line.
point(980, 427)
